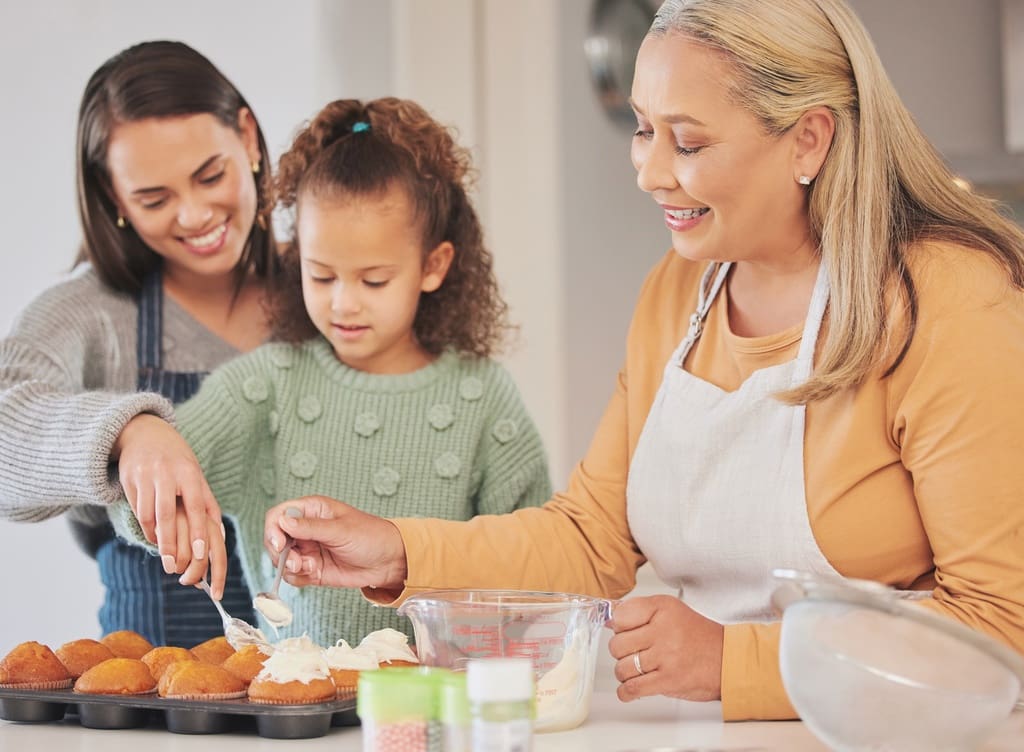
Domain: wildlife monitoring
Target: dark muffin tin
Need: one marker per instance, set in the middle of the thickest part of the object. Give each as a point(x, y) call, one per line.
point(178, 716)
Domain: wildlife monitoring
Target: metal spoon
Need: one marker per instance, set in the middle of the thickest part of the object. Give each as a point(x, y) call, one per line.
point(274, 610)
point(238, 633)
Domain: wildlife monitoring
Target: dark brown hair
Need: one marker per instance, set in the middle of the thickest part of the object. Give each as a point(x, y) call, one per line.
point(396, 144)
point(154, 80)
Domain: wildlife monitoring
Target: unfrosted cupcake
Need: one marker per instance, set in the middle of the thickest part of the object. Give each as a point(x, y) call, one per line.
point(215, 650)
point(196, 680)
point(158, 659)
point(295, 674)
point(32, 665)
point(117, 676)
point(126, 644)
point(390, 647)
point(345, 664)
point(248, 662)
point(78, 656)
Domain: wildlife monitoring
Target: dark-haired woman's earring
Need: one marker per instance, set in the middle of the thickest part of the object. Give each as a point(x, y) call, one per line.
point(121, 222)
point(255, 167)
point(803, 180)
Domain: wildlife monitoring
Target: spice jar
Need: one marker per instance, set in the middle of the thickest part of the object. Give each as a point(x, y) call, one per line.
point(453, 711)
point(398, 710)
point(501, 704)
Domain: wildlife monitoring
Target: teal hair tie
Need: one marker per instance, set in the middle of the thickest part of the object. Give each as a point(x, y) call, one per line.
point(360, 127)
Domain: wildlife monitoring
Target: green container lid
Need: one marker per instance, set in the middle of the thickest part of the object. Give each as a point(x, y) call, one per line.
point(454, 700)
point(393, 695)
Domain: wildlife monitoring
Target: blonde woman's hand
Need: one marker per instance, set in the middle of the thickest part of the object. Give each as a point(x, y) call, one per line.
point(159, 472)
point(337, 545)
point(679, 652)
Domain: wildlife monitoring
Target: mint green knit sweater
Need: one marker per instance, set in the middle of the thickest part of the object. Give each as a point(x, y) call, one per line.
point(450, 440)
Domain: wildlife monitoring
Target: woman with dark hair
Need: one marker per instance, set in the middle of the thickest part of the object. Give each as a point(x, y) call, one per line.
point(173, 185)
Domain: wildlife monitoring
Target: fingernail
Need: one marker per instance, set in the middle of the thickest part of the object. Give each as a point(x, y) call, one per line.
point(169, 563)
point(199, 548)
point(291, 566)
point(293, 512)
point(275, 543)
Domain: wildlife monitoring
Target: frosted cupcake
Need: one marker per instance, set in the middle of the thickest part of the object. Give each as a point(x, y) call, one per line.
point(295, 674)
point(345, 663)
point(390, 647)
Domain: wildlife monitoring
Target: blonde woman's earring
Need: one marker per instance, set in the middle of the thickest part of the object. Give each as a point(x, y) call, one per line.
point(121, 222)
point(255, 167)
point(803, 180)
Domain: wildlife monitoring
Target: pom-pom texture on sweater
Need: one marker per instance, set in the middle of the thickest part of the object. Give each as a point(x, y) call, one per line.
point(450, 440)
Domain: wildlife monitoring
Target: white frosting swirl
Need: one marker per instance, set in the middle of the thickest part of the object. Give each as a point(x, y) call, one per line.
point(295, 665)
point(387, 645)
point(344, 656)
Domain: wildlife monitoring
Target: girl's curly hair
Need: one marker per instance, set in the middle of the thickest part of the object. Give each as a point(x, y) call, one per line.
point(404, 147)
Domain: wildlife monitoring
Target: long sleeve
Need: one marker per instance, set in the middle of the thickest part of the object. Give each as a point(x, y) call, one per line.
point(219, 429)
point(512, 464)
point(942, 511)
point(67, 372)
point(577, 542)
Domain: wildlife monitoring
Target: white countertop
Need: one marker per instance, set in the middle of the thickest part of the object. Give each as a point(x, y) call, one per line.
point(653, 725)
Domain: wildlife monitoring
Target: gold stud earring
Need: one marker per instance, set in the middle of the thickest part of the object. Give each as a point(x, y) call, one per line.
point(121, 222)
point(803, 180)
point(255, 167)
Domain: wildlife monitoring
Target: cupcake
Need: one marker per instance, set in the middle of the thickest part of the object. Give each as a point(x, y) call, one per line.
point(117, 676)
point(196, 680)
point(126, 644)
point(248, 661)
point(390, 647)
point(32, 665)
point(345, 663)
point(295, 674)
point(215, 650)
point(158, 659)
point(78, 656)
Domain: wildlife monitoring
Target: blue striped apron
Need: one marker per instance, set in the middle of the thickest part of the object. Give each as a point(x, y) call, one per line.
point(139, 595)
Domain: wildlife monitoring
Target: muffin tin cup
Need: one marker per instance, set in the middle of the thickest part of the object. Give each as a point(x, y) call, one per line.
point(178, 716)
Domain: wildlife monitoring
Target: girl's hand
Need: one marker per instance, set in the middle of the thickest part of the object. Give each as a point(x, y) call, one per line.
point(337, 545)
point(158, 468)
point(680, 651)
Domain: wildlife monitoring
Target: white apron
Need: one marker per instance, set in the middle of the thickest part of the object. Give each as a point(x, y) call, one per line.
point(715, 494)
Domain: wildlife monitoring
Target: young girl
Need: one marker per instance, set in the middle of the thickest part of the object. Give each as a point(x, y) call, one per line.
point(173, 182)
point(382, 391)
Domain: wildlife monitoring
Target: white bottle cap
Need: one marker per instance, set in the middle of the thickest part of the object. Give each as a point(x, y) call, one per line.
point(499, 679)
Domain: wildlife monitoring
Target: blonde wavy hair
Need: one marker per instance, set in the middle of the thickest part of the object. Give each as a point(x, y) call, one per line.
point(882, 189)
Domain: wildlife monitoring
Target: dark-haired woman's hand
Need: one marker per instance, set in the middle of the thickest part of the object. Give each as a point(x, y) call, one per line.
point(158, 472)
point(337, 545)
point(678, 652)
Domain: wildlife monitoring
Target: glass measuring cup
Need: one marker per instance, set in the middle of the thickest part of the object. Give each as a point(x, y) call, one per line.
point(557, 631)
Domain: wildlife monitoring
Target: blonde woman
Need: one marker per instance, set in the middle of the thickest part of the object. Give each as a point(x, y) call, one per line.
point(826, 373)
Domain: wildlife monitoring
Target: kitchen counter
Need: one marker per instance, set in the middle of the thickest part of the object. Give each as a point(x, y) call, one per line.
point(645, 726)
